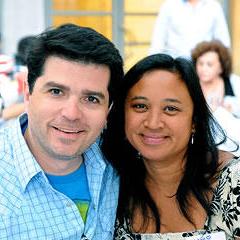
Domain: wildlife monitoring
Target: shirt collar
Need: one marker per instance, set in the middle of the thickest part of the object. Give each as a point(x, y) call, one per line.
point(93, 157)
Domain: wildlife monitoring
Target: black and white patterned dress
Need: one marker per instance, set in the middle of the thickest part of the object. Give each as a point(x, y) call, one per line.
point(225, 212)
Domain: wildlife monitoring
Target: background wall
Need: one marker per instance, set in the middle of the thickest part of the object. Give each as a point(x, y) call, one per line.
point(129, 23)
point(20, 18)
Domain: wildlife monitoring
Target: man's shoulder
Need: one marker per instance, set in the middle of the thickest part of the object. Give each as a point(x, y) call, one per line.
point(7, 138)
point(9, 192)
point(9, 186)
point(5, 144)
point(111, 173)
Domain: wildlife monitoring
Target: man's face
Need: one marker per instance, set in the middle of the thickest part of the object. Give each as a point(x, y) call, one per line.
point(67, 108)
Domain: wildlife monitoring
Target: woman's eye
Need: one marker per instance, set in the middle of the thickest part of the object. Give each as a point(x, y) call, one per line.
point(171, 109)
point(55, 91)
point(139, 107)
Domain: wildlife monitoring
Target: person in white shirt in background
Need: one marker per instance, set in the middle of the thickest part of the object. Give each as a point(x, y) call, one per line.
point(181, 24)
point(220, 86)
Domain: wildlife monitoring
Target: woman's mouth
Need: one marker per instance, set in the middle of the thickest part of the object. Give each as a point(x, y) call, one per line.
point(152, 139)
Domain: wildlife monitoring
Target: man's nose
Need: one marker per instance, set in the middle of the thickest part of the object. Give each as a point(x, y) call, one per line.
point(71, 109)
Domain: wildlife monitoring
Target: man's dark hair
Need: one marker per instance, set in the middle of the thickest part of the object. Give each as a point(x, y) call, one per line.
point(23, 48)
point(74, 43)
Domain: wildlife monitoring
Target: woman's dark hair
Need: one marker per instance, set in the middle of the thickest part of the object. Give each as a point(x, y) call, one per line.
point(202, 156)
point(223, 53)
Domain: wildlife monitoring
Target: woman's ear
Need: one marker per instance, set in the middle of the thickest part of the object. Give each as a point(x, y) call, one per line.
point(193, 128)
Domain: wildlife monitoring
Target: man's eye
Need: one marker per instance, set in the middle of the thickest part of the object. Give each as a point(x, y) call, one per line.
point(55, 91)
point(93, 99)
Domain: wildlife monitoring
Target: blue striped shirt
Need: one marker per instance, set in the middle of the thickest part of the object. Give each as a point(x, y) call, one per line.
point(31, 209)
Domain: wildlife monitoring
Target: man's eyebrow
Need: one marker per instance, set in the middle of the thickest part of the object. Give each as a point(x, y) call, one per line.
point(57, 85)
point(66, 88)
point(95, 93)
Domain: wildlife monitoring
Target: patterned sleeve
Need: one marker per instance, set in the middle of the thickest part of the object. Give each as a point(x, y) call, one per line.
point(225, 206)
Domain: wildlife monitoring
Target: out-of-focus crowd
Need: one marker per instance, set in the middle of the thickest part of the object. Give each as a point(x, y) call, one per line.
point(13, 73)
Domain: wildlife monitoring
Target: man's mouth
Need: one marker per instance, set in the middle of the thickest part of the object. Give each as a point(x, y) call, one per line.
point(68, 130)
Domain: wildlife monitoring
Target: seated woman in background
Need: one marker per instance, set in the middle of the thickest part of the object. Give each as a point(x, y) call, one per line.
point(221, 88)
point(214, 66)
point(174, 182)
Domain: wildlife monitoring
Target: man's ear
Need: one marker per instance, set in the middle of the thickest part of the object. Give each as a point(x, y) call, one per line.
point(26, 94)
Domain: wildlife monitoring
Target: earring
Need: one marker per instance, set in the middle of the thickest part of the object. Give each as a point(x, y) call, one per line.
point(139, 156)
point(192, 138)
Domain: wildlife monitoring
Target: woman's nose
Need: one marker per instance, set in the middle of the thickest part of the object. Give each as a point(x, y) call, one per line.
point(154, 120)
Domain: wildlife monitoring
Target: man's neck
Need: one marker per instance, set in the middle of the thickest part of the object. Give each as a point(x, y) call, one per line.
point(60, 167)
point(50, 165)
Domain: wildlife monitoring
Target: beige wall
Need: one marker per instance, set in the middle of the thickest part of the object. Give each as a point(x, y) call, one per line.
point(103, 24)
point(138, 28)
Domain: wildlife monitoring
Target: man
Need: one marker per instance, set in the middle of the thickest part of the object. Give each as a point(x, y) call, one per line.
point(55, 183)
point(181, 24)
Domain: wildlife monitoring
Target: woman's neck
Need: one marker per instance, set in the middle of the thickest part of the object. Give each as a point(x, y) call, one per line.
point(161, 176)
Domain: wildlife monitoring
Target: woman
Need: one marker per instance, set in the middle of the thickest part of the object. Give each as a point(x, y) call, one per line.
point(173, 181)
point(213, 64)
point(221, 89)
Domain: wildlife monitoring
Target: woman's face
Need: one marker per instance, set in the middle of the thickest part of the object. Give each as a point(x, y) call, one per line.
point(158, 116)
point(208, 67)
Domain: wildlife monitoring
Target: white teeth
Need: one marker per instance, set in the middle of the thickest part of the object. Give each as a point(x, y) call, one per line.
point(68, 131)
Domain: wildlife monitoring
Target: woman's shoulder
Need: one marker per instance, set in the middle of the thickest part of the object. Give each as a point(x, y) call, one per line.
point(228, 179)
point(227, 159)
point(225, 208)
point(229, 163)
point(123, 231)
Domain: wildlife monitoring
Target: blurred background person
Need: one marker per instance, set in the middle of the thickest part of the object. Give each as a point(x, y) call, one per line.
point(181, 24)
point(8, 87)
point(221, 88)
point(214, 67)
point(19, 77)
point(20, 70)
